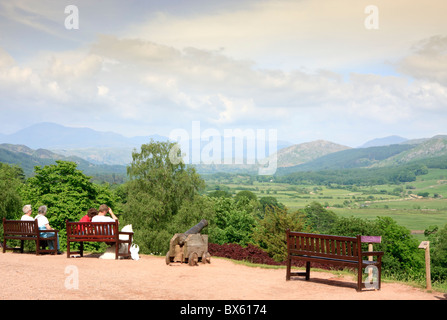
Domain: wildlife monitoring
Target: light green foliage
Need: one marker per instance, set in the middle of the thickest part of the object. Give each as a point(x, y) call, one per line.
point(233, 220)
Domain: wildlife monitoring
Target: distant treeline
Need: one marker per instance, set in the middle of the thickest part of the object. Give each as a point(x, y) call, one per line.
point(357, 176)
point(347, 177)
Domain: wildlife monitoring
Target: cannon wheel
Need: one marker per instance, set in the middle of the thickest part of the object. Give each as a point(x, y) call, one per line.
point(206, 257)
point(168, 258)
point(193, 259)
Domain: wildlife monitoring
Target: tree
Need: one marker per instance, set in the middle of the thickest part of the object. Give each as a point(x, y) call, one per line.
point(233, 221)
point(11, 178)
point(156, 192)
point(245, 193)
point(438, 252)
point(67, 193)
point(270, 235)
point(269, 201)
point(318, 218)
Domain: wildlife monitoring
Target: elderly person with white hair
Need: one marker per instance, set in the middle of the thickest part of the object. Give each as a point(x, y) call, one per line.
point(27, 213)
point(44, 224)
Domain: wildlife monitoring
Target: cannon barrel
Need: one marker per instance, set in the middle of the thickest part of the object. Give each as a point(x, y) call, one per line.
point(196, 229)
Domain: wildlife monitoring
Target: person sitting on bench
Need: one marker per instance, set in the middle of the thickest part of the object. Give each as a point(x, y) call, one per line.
point(43, 224)
point(27, 213)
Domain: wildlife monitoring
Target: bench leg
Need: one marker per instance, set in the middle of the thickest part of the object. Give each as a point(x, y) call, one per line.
point(359, 279)
point(4, 245)
point(81, 249)
point(307, 270)
point(289, 263)
point(380, 276)
point(22, 244)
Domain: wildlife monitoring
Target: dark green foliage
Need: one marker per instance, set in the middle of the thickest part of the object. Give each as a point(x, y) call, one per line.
point(357, 176)
point(10, 201)
point(401, 258)
point(270, 234)
point(438, 254)
point(319, 219)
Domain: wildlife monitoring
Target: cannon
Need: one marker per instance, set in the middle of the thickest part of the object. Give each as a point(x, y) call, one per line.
point(190, 247)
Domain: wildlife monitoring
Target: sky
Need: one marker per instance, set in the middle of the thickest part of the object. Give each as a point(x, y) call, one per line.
point(345, 71)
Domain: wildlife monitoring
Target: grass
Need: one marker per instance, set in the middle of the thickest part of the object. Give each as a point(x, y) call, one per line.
point(365, 202)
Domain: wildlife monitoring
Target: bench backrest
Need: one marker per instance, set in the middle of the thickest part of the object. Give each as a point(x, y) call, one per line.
point(20, 227)
point(95, 231)
point(321, 245)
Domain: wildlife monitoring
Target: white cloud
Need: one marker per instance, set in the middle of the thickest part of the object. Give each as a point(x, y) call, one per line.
point(296, 66)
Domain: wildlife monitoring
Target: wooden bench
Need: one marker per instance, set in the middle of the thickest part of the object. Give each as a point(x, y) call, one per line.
point(97, 232)
point(328, 249)
point(27, 230)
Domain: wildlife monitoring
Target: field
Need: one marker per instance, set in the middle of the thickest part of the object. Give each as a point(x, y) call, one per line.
point(400, 202)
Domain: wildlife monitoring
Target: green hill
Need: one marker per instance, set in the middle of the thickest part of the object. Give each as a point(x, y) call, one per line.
point(28, 158)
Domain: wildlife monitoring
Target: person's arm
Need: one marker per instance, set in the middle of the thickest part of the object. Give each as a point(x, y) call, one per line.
point(112, 214)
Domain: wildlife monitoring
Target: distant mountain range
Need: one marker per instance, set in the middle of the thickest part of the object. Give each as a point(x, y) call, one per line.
point(109, 153)
point(94, 146)
point(386, 141)
point(54, 136)
point(378, 156)
point(28, 158)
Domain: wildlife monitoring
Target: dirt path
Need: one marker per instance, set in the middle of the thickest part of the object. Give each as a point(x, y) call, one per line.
point(23, 275)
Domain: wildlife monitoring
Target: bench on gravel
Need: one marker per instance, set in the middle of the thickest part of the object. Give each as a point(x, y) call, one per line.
point(329, 249)
point(29, 231)
point(97, 232)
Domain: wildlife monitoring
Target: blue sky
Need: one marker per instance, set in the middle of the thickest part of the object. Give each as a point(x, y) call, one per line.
point(309, 69)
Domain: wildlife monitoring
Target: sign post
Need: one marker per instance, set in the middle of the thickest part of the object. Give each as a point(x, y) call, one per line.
point(370, 240)
point(426, 246)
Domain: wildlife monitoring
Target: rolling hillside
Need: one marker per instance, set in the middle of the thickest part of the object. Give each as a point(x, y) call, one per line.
point(28, 158)
point(305, 152)
point(383, 156)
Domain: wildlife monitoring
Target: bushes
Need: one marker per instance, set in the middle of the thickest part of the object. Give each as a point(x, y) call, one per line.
point(234, 251)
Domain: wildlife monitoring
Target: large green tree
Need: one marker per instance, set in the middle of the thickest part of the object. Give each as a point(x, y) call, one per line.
point(156, 192)
point(11, 178)
point(66, 191)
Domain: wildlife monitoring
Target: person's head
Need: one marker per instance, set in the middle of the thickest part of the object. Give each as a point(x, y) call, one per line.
point(27, 209)
point(103, 209)
point(92, 212)
point(43, 210)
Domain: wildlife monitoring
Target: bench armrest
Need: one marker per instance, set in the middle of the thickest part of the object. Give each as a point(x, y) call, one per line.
point(40, 231)
point(126, 232)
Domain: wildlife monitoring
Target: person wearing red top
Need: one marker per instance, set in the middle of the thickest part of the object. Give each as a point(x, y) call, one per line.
point(88, 217)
